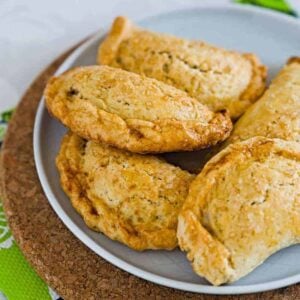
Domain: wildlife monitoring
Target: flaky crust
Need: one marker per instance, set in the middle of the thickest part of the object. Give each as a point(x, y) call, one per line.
point(132, 112)
point(131, 198)
point(243, 207)
point(277, 113)
point(216, 77)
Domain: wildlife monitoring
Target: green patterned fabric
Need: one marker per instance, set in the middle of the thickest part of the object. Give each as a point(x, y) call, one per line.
point(279, 5)
point(6, 115)
point(18, 281)
point(4, 118)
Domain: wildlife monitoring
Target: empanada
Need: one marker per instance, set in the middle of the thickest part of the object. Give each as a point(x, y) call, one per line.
point(243, 207)
point(216, 77)
point(277, 113)
point(132, 112)
point(131, 198)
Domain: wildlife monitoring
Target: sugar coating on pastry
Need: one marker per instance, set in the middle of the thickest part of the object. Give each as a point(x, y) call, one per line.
point(243, 207)
point(277, 113)
point(131, 198)
point(132, 112)
point(216, 77)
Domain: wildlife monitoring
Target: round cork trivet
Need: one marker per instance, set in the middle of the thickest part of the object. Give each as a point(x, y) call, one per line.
point(64, 262)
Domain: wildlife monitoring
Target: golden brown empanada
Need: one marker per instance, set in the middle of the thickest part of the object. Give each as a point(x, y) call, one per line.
point(277, 113)
point(131, 198)
point(218, 78)
point(132, 112)
point(243, 207)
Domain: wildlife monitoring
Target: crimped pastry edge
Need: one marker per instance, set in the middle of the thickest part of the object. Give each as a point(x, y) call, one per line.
point(121, 29)
point(109, 224)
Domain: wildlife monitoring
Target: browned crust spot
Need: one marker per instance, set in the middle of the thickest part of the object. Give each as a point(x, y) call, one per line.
point(293, 59)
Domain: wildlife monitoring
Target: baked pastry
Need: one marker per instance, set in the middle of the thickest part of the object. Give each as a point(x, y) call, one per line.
point(277, 113)
point(243, 207)
point(131, 198)
point(132, 112)
point(216, 77)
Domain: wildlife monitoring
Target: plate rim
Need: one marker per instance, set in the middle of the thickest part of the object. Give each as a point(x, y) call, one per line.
point(88, 241)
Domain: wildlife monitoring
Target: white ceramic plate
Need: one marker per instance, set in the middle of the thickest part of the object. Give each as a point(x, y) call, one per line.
point(274, 37)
